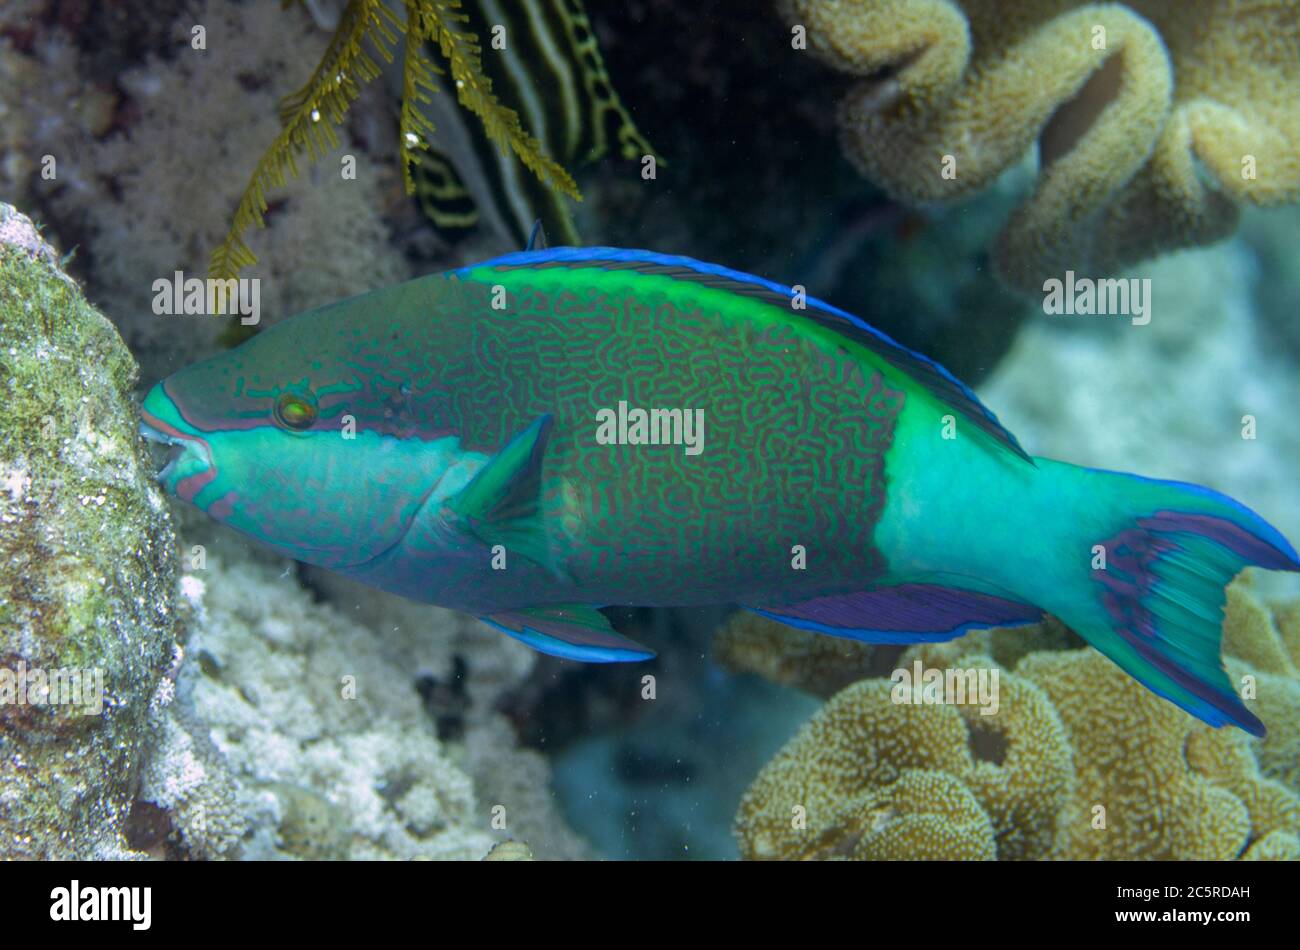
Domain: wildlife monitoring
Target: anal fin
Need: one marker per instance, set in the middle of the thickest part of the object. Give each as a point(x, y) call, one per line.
point(906, 613)
point(574, 632)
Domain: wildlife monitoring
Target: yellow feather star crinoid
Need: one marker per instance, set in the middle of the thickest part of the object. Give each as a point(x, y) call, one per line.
point(311, 116)
point(1155, 120)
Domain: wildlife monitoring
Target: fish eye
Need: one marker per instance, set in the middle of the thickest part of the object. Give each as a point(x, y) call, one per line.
point(295, 411)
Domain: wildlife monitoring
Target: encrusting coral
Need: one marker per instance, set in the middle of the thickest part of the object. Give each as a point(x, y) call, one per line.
point(841, 779)
point(463, 669)
point(294, 733)
point(1154, 119)
point(302, 729)
point(87, 594)
point(1078, 761)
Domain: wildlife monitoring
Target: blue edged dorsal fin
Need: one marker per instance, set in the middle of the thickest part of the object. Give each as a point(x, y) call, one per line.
point(500, 505)
point(572, 631)
point(537, 238)
point(924, 370)
point(907, 613)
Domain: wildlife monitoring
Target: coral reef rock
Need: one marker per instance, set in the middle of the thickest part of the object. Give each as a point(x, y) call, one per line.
point(296, 732)
point(87, 596)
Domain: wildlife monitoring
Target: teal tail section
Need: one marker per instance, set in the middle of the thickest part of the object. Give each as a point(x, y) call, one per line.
point(1156, 557)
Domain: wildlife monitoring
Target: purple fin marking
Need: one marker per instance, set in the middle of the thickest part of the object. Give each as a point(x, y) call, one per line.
point(907, 613)
point(1168, 606)
point(1271, 552)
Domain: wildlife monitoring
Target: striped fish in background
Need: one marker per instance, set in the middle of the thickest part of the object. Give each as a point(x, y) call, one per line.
point(552, 73)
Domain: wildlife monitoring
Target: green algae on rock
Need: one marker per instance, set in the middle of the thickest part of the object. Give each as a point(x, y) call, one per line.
point(87, 619)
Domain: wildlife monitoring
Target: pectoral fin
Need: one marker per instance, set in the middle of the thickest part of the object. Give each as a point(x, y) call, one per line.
point(500, 505)
point(575, 632)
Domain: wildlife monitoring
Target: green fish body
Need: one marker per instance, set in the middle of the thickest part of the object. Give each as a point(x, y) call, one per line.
point(552, 431)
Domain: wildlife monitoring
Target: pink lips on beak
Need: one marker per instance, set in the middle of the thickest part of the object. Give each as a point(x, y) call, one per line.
point(187, 446)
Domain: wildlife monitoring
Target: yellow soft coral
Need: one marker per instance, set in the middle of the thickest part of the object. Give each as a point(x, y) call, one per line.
point(821, 665)
point(807, 802)
point(1078, 760)
point(925, 815)
point(845, 784)
point(1128, 104)
point(1151, 782)
point(1023, 772)
point(1262, 645)
point(1287, 617)
point(1252, 635)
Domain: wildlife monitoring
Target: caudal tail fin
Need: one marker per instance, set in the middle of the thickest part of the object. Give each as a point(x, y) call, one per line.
point(1158, 556)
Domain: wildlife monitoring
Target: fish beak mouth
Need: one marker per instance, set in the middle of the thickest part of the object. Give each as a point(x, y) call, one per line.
point(174, 450)
point(185, 457)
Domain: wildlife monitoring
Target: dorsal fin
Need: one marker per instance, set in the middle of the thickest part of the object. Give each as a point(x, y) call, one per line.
point(537, 239)
point(924, 370)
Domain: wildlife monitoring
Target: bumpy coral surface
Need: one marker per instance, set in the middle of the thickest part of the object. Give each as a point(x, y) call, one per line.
point(1264, 645)
point(810, 801)
point(924, 816)
point(292, 736)
point(1078, 761)
point(90, 572)
point(1125, 102)
point(750, 643)
point(1137, 795)
point(359, 727)
point(996, 785)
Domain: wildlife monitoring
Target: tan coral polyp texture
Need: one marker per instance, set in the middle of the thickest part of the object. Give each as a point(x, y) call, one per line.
point(1079, 761)
point(1155, 120)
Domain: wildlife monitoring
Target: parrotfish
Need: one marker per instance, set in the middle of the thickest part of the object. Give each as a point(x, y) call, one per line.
point(511, 439)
